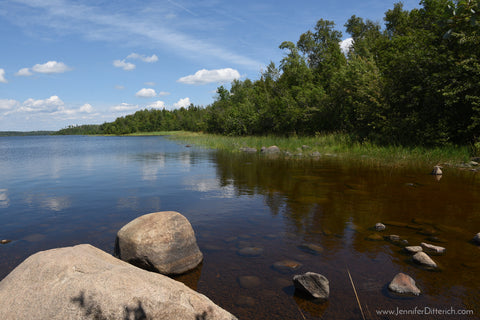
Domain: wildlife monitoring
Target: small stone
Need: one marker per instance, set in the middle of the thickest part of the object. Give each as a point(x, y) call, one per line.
point(270, 150)
point(250, 251)
point(312, 283)
point(423, 259)
point(393, 237)
point(379, 226)
point(413, 249)
point(249, 282)
point(5, 241)
point(311, 248)
point(430, 248)
point(188, 146)
point(474, 163)
point(286, 266)
point(476, 239)
point(403, 284)
point(437, 171)
point(374, 237)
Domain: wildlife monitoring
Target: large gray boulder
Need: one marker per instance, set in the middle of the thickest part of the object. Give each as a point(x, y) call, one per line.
point(315, 284)
point(83, 282)
point(163, 242)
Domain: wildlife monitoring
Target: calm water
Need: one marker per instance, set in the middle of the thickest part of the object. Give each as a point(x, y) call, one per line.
point(62, 191)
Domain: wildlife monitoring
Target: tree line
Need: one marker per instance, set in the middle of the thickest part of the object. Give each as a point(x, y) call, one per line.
point(414, 82)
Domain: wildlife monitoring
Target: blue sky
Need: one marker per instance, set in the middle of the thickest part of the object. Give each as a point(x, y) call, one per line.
point(68, 62)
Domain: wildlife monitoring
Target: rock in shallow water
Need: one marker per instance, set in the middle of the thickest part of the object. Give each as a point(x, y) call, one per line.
point(380, 226)
point(250, 251)
point(83, 282)
point(286, 266)
point(423, 259)
point(312, 283)
point(163, 242)
point(403, 284)
point(413, 249)
point(476, 239)
point(431, 249)
point(249, 282)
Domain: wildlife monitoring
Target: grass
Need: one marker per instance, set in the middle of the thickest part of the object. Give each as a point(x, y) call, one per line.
point(337, 144)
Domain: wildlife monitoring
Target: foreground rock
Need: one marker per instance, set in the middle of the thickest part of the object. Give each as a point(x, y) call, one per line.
point(312, 283)
point(403, 284)
point(476, 239)
point(413, 249)
point(163, 242)
point(432, 249)
point(423, 259)
point(83, 282)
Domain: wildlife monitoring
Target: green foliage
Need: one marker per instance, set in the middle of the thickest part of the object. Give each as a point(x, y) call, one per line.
point(417, 82)
point(86, 129)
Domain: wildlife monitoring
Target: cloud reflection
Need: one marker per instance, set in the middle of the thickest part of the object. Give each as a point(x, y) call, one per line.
point(210, 186)
point(48, 202)
point(4, 199)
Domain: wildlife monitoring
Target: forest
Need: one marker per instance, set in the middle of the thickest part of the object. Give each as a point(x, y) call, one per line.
point(415, 81)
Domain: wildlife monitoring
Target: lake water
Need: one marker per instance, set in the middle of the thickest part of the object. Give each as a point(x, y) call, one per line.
point(67, 190)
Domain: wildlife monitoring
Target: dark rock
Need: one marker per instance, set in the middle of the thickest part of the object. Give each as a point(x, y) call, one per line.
point(379, 226)
point(476, 239)
point(250, 251)
point(163, 242)
point(393, 238)
point(312, 283)
point(403, 284)
point(249, 282)
point(286, 266)
point(311, 248)
point(188, 146)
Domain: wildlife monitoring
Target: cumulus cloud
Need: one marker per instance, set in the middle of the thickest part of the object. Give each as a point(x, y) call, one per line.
point(86, 108)
point(163, 93)
point(152, 58)
point(124, 107)
point(42, 105)
point(127, 66)
point(2, 76)
point(156, 105)
point(346, 45)
point(185, 102)
point(24, 72)
point(146, 93)
point(210, 76)
point(50, 67)
point(8, 104)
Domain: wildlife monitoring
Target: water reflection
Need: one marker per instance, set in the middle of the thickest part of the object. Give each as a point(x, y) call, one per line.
point(4, 199)
point(53, 203)
point(209, 185)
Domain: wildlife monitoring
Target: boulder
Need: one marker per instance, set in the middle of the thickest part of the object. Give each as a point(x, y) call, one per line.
point(431, 249)
point(476, 239)
point(423, 259)
point(413, 249)
point(403, 284)
point(437, 171)
point(83, 282)
point(312, 283)
point(379, 226)
point(163, 242)
point(270, 150)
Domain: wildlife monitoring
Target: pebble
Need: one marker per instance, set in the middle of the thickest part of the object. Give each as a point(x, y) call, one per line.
point(5, 241)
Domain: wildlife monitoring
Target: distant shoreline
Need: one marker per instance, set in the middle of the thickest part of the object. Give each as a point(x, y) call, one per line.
point(26, 133)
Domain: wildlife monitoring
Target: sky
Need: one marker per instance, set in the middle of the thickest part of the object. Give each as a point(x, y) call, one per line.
point(71, 62)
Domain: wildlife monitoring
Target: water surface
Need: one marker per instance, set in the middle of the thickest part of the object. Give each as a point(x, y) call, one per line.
point(62, 191)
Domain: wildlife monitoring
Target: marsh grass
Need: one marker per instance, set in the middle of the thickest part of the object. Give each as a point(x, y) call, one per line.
point(336, 144)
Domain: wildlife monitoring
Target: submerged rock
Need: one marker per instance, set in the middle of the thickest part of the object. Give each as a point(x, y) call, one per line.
point(430, 248)
point(83, 282)
point(476, 239)
point(312, 283)
point(286, 266)
point(311, 248)
point(250, 251)
point(248, 282)
point(423, 259)
point(163, 242)
point(374, 237)
point(403, 284)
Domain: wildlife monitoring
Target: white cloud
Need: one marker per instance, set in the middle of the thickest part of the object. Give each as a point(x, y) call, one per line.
point(127, 66)
point(152, 58)
point(24, 72)
point(146, 93)
point(54, 103)
point(2, 76)
point(185, 102)
point(156, 105)
point(163, 93)
point(209, 76)
point(123, 107)
point(50, 67)
point(346, 45)
point(8, 104)
point(86, 108)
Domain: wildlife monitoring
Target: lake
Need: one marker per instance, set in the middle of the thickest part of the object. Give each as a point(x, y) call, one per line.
point(60, 191)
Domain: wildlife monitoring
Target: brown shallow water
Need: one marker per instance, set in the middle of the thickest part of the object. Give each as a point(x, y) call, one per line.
point(274, 205)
